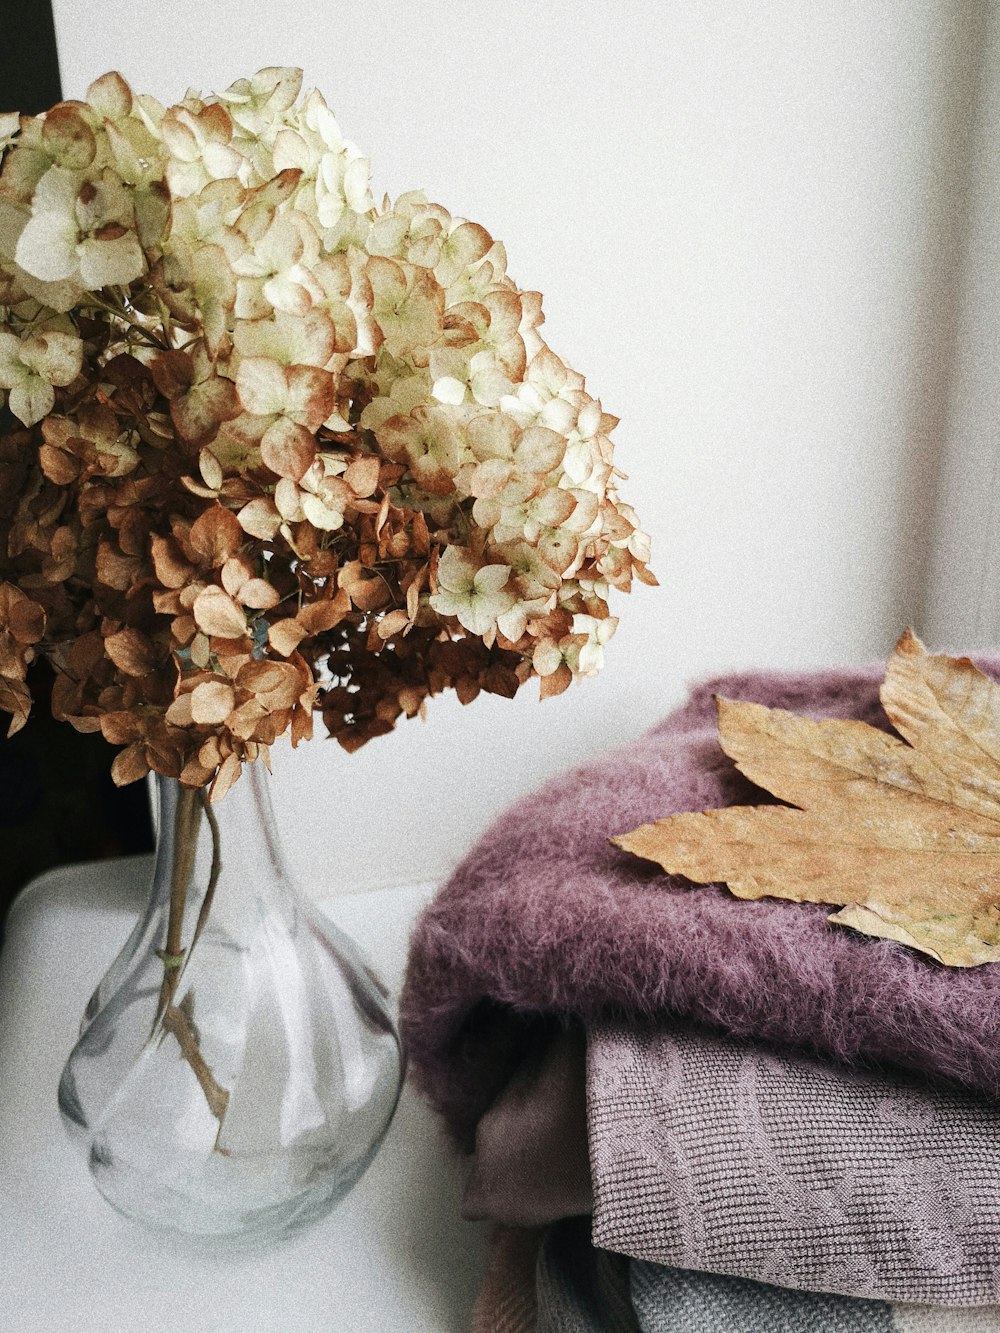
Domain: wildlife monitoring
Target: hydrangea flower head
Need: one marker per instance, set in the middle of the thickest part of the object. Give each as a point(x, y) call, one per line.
point(272, 449)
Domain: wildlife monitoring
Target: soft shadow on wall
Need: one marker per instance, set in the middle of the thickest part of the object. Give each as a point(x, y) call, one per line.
point(57, 801)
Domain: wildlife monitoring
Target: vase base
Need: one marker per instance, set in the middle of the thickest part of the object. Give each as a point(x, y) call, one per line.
point(195, 1225)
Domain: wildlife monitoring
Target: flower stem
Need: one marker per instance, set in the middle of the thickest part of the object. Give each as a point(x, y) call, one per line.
point(172, 954)
point(177, 1022)
point(122, 314)
point(170, 1016)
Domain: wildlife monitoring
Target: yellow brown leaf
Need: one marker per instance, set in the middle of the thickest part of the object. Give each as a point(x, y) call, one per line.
point(903, 835)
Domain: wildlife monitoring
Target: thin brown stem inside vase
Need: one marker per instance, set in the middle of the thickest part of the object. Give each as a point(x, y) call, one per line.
point(177, 1019)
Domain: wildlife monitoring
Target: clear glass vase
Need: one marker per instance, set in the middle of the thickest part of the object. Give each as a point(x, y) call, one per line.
point(239, 1065)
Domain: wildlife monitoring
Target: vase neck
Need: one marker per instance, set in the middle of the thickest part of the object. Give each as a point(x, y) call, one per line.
point(230, 848)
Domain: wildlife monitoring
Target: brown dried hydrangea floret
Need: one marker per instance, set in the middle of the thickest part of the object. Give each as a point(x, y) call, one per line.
point(267, 449)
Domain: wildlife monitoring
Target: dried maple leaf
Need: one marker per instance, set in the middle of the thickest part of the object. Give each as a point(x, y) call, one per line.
point(904, 837)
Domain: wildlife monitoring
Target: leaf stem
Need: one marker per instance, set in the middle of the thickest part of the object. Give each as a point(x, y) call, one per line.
point(122, 314)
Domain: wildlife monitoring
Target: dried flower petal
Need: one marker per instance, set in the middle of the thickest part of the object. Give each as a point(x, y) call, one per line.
point(285, 636)
point(212, 702)
point(260, 518)
point(228, 773)
point(131, 651)
point(288, 449)
point(259, 594)
point(217, 614)
point(130, 765)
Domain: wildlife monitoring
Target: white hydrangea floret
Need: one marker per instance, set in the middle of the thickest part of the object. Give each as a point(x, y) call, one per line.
point(30, 366)
point(323, 495)
point(84, 240)
point(475, 595)
point(339, 172)
point(590, 655)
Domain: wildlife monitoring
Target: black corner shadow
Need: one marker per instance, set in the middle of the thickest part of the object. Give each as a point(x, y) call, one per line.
point(29, 61)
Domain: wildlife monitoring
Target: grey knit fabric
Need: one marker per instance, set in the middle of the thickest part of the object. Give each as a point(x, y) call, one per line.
point(715, 1155)
point(928, 1319)
point(668, 1300)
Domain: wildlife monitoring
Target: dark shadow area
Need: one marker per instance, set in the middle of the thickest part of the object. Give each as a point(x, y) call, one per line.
point(29, 64)
point(57, 801)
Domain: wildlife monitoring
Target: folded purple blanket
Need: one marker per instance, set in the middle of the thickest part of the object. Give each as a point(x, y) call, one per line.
point(545, 921)
point(712, 1155)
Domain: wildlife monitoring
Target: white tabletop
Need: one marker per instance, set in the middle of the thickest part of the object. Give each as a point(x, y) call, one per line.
point(393, 1256)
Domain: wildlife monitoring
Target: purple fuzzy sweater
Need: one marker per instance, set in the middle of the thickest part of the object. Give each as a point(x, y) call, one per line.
point(545, 921)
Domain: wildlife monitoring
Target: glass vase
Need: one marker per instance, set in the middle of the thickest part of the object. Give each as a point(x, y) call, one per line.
point(239, 1065)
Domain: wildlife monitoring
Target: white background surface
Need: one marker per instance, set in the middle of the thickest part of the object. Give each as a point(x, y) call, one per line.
point(393, 1257)
point(750, 220)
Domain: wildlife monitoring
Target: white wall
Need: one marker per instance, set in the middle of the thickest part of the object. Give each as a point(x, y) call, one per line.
point(746, 217)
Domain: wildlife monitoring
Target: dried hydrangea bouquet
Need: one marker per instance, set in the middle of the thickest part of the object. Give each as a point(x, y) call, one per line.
point(268, 450)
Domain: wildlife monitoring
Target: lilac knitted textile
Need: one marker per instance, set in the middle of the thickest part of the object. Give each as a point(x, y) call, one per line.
point(725, 1157)
point(545, 921)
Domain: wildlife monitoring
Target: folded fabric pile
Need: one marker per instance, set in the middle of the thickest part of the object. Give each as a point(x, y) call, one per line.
point(688, 1111)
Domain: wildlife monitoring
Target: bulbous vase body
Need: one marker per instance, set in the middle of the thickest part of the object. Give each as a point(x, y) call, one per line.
point(238, 1066)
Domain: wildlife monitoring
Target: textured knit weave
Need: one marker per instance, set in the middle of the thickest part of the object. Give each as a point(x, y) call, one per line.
point(719, 1155)
point(545, 918)
point(926, 1319)
point(667, 1300)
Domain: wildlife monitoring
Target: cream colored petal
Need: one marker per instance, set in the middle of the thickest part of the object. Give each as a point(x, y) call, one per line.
point(327, 520)
point(491, 578)
point(12, 368)
point(448, 389)
point(54, 356)
point(113, 263)
point(357, 184)
point(46, 247)
point(547, 657)
point(31, 400)
point(262, 385)
point(456, 571)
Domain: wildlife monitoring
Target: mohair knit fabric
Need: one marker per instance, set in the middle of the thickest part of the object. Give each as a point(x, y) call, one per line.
point(545, 920)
